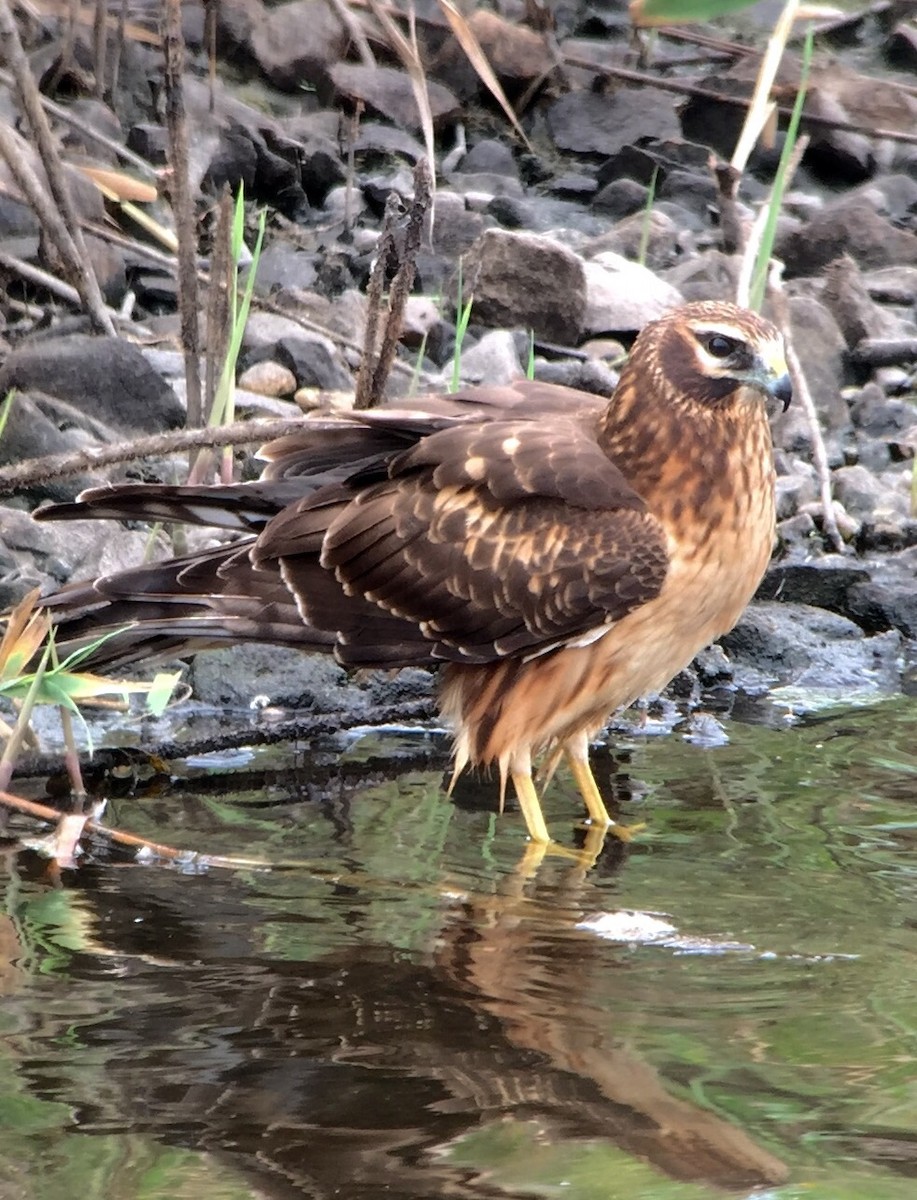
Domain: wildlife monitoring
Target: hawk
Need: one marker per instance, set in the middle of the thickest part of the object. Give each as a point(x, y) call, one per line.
point(559, 554)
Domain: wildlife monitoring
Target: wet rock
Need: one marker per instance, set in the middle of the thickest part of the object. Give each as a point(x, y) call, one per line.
point(107, 378)
point(823, 582)
point(598, 123)
point(623, 296)
point(521, 280)
point(889, 599)
point(806, 647)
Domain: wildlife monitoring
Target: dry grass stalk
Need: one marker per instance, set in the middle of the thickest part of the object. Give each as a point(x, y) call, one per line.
point(801, 394)
point(218, 299)
point(467, 39)
point(409, 54)
point(59, 219)
point(182, 206)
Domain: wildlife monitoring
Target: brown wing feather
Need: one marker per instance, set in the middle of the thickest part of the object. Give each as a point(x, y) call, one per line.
point(486, 542)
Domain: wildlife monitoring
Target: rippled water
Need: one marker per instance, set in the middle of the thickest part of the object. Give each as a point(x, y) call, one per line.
point(410, 1008)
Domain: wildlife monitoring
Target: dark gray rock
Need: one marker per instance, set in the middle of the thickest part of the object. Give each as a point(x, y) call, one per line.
point(313, 364)
point(30, 433)
point(811, 649)
point(388, 92)
point(846, 296)
point(107, 378)
point(512, 212)
point(586, 375)
point(61, 552)
point(489, 156)
point(820, 582)
point(296, 42)
point(888, 600)
point(690, 189)
point(847, 227)
point(522, 280)
point(236, 676)
point(150, 142)
point(597, 123)
point(574, 185)
point(620, 198)
point(820, 347)
point(455, 229)
point(865, 495)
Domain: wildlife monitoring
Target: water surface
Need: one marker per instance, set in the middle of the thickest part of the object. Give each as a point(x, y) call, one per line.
point(407, 1007)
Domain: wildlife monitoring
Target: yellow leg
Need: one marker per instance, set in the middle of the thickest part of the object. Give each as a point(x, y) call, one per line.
point(577, 754)
point(530, 805)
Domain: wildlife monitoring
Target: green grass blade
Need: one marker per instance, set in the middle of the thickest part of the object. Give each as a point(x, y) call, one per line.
point(762, 263)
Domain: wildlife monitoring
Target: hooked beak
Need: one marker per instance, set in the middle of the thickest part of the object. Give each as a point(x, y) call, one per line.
point(773, 377)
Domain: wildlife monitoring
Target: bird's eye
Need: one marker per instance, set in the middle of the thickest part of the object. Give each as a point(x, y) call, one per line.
point(720, 346)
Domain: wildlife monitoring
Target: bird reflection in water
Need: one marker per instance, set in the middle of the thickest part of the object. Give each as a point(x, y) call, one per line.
point(357, 1072)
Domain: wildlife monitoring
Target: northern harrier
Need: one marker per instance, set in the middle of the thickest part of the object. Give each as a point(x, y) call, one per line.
point(560, 555)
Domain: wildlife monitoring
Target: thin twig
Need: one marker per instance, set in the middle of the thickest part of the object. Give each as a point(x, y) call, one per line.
point(182, 206)
point(100, 46)
point(59, 466)
point(781, 310)
point(43, 279)
point(43, 813)
point(63, 227)
point(75, 121)
point(117, 53)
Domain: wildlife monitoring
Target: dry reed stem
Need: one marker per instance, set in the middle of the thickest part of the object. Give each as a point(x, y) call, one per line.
point(59, 466)
point(182, 206)
point(59, 219)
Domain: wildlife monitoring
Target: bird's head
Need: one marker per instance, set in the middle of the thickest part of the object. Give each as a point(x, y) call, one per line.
point(711, 353)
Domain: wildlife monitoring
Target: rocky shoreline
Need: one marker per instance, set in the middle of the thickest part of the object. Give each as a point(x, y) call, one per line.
point(548, 236)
